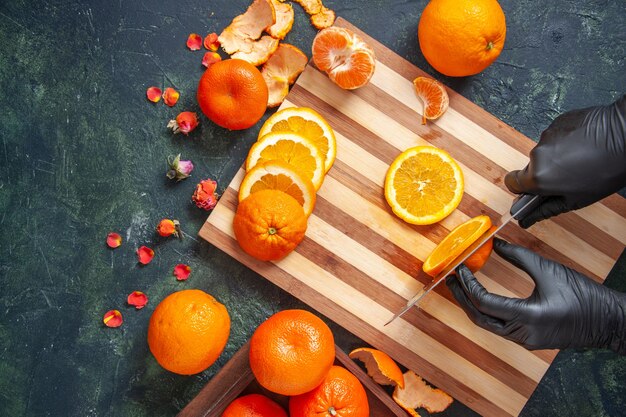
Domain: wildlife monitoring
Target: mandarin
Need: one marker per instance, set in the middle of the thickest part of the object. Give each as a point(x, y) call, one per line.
point(291, 352)
point(188, 331)
point(233, 94)
point(340, 394)
point(269, 224)
point(254, 405)
point(461, 37)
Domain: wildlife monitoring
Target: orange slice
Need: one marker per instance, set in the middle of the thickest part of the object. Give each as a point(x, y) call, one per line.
point(459, 239)
point(279, 175)
point(434, 96)
point(292, 148)
point(380, 366)
point(281, 70)
point(308, 123)
point(344, 56)
point(417, 394)
point(284, 20)
point(423, 185)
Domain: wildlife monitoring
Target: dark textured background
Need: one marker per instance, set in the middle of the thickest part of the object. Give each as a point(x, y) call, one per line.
point(83, 153)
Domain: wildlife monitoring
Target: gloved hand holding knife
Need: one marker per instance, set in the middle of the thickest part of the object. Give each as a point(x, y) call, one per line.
point(580, 159)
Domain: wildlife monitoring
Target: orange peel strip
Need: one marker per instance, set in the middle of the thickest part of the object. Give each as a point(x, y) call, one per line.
point(281, 70)
point(418, 394)
point(240, 35)
point(259, 52)
point(380, 366)
point(325, 18)
point(284, 20)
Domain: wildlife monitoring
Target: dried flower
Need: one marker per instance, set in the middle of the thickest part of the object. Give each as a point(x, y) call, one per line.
point(194, 42)
point(153, 94)
point(211, 42)
point(181, 272)
point(185, 122)
point(170, 96)
point(167, 227)
point(145, 255)
point(113, 318)
point(179, 170)
point(114, 240)
point(205, 196)
point(137, 299)
point(211, 58)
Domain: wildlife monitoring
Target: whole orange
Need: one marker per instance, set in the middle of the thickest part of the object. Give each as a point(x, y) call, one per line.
point(291, 352)
point(254, 405)
point(188, 331)
point(233, 94)
point(461, 37)
point(269, 224)
point(340, 394)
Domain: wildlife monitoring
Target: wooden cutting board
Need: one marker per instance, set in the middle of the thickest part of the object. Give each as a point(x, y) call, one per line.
point(359, 263)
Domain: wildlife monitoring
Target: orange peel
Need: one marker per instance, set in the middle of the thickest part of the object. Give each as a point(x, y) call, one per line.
point(325, 18)
point(260, 51)
point(281, 70)
point(380, 366)
point(309, 6)
point(418, 394)
point(284, 20)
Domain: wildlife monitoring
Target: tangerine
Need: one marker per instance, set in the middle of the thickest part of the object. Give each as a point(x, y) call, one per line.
point(269, 224)
point(188, 331)
point(254, 405)
point(291, 352)
point(461, 37)
point(340, 394)
point(233, 94)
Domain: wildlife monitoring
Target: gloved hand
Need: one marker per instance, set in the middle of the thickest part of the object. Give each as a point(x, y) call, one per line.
point(580, 159)
point(566, 309)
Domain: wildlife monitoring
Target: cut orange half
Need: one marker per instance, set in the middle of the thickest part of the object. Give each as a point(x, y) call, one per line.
point(459, 239)
point(423, 185)
point(308, 123)
point(292, 148)
point(380, 366)
point(434, 96)
point(279, 175)
point(417, 394)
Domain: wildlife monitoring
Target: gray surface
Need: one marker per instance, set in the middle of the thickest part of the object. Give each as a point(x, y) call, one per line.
point(83, 153)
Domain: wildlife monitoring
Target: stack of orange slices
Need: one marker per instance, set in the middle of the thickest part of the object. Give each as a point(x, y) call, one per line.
point(295, 149)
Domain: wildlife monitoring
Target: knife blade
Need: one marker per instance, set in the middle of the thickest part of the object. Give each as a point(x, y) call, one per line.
point(522, 205)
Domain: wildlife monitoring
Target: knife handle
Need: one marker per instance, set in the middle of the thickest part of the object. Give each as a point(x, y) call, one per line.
point(524, 200)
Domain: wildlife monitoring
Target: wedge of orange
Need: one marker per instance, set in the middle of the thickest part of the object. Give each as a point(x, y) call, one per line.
point(292, 148)
point(459, 239)
point(417, 394)
point(279, 175)
point(308, 123)
point(423, 185)
point(434, 97)
point(344, 56)
point(380, 366)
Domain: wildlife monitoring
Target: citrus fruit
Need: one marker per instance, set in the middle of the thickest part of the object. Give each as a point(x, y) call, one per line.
point(434, 96)
point(380, 366)
point(308, 123)
point(417, 394)
point(254, 405)
point(233, 94)
point(344, 56)
point(481, 256)
point(461, 37)
point(188, 331)
point(340, 394)
point(459, 239)
point(279, 175)
point(291, 352)
point(269, 224)
point(423, 185)
point(295, 149)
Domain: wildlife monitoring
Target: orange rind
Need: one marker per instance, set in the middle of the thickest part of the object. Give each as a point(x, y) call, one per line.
point(281, 70)
point(284, 20)
point(260, 51)
point(325, 18)
point(380, 366)
point(417, 394)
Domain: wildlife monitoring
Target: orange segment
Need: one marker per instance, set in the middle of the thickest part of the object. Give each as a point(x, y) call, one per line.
point(344, 56)
point(423, 185)
point(380, 366)
point(279, 175)
point(417, 394)
point(459, 239)
point(292, 148)
point(308, 123)
point(434, 96)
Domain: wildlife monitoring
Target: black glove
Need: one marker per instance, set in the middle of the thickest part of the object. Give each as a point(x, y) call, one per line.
point(566, 309)
point(580, 159)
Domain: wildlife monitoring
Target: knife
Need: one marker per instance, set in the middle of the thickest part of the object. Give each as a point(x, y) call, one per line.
point(521, 206)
